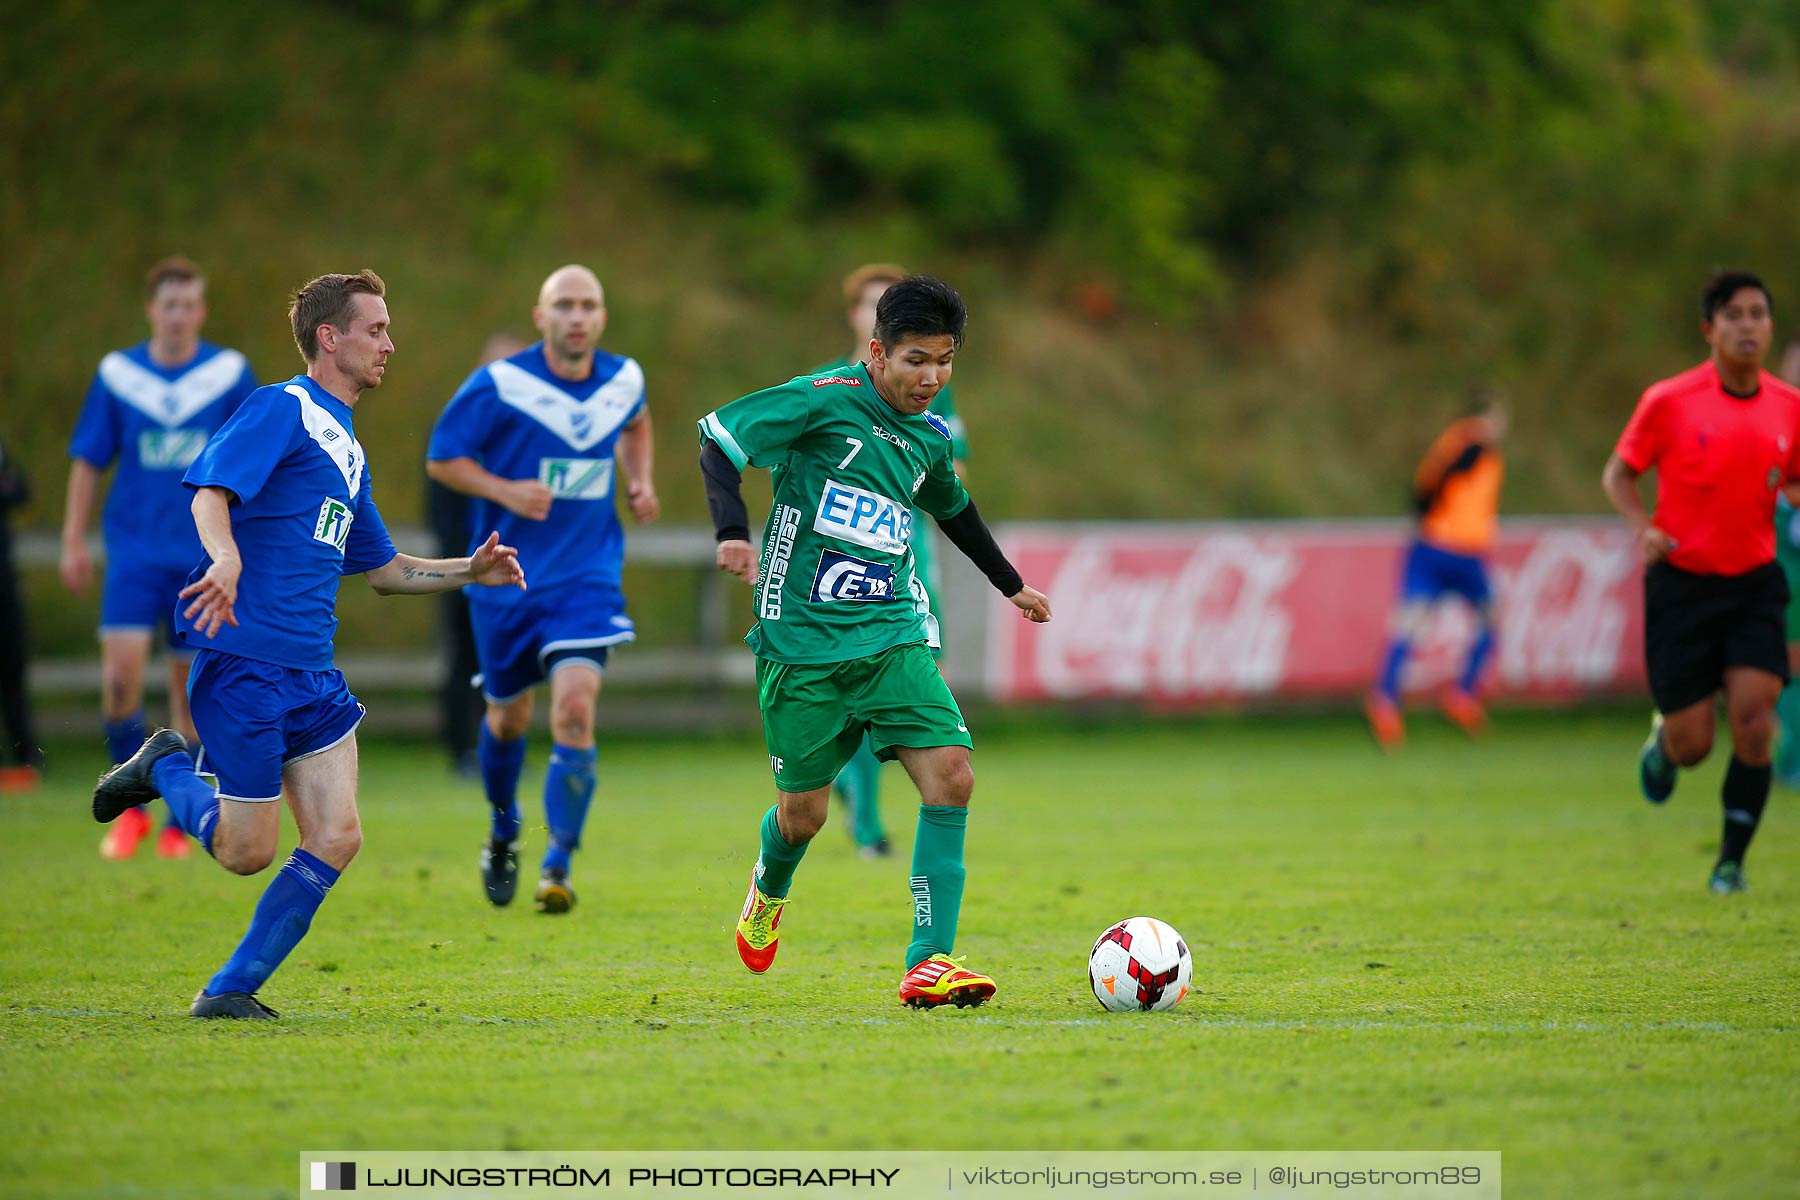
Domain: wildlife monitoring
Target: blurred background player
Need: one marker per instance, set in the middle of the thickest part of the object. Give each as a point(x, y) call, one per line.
point(21, 757)
point(285, 507)
point(447, 511)
point(1723, 438)
point(859, 783)
point(1787, 553)
point(534, 439)
point(150, 408)
point(1456, 494)
point(840, 637)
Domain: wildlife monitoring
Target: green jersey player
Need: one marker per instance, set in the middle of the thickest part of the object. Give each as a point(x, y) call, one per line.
point(859, 783)
point(840, 638)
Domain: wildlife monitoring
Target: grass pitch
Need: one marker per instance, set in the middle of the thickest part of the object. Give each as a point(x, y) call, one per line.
point(1478, 947)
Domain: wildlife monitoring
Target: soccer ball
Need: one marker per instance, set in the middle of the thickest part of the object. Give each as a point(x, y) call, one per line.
point(1140, 965)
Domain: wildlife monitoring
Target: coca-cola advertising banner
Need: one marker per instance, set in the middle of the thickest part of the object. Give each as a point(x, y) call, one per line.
point(1210, 613)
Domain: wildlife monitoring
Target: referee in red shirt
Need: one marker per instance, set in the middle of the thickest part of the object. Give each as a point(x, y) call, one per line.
point(1723, 438)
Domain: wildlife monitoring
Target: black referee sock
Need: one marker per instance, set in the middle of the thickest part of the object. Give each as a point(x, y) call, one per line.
point(1744, 795)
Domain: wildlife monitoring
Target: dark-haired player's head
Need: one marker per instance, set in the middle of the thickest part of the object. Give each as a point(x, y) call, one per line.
point(1738, 320)
point(918, 327)
point(1722, 288)
point(920, 306)
point(344, 319)
point(175, 304)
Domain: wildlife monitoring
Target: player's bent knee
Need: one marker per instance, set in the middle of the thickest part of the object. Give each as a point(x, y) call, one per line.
point(243, 860)
point(337, 844)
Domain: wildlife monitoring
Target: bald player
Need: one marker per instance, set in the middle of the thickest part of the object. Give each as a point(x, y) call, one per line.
point(534, 440)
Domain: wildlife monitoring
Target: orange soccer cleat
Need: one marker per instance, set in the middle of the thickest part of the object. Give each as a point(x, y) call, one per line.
point(1385, 721)
point(941, 979)
point(1465, 710)
point(121, 841)
point(172, 843)
point(758, 928)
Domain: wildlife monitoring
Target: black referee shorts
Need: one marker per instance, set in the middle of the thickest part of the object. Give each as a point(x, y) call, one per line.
point(1695, 626)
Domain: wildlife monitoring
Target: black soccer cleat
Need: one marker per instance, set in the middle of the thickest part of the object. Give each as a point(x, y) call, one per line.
point(128, 784)
point(500, 871)
point(239, 1006)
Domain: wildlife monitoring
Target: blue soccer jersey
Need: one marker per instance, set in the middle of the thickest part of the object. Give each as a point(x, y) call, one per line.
point(153, 421)
point(521, 422)
point(305, 515)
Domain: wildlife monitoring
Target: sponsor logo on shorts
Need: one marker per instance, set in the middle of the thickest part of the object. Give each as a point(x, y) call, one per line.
point(577, 478)
point(839, 380)
point(775, 562)
point(170, 449)
point(333, 525)
point(845, 577)
point(865, 518)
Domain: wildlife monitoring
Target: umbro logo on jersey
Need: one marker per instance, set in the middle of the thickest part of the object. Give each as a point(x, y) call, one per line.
point(839, 380)
point(331, 435)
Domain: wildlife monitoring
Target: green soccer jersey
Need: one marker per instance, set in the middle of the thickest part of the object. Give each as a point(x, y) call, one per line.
point(943, 405)
point(836, 581)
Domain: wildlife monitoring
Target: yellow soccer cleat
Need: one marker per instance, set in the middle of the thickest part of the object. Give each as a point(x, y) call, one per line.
point(758, 928)
point(941, 979)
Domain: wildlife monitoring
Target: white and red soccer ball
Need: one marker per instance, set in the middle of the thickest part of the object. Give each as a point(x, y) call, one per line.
point(1140, 965)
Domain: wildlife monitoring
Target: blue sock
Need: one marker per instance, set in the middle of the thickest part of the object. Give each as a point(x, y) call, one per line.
point(123, 737)
point(193, 802)
point(1478, 656)
point(282, 918)
point(501, 763)
point(1390, 668)
point(568, 789)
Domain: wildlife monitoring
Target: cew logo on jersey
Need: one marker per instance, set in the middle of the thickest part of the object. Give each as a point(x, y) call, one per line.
point(839, 380)
point(866, 518)
point(846, 577)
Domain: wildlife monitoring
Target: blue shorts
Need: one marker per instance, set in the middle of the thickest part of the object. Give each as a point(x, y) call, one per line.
point(142, 596)
point(1432, 573)
point(521, 645)
point(254, 718)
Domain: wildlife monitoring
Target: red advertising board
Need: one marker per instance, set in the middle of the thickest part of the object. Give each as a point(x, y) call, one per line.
point(1223, 613)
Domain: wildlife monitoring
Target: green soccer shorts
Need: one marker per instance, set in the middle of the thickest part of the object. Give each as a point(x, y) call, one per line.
point(814, 714)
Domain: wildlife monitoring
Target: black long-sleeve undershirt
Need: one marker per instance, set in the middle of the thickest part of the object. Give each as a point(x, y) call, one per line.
point(724, 494)
point(966, 530)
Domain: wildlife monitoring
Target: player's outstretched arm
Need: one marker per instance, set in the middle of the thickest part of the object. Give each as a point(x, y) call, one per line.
point(213, 597)
point(528, 498)
point(970, 534)
point(492, 565)
point(637, 456)
point(77, 565)
point(731, 519)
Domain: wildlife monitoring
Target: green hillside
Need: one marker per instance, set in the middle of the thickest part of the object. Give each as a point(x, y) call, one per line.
point(1319, 221)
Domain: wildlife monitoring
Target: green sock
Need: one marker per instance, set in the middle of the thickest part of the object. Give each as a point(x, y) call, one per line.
point(775, 865)
point(1787, 751)
point(937, 881)
point(860, 782)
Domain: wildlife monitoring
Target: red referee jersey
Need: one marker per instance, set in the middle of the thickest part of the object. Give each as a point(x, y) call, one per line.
point(1719, 461)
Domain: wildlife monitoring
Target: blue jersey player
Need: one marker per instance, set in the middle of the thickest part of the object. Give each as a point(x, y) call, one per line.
point(149, 410)
point(283, 503)
point(534, 440)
